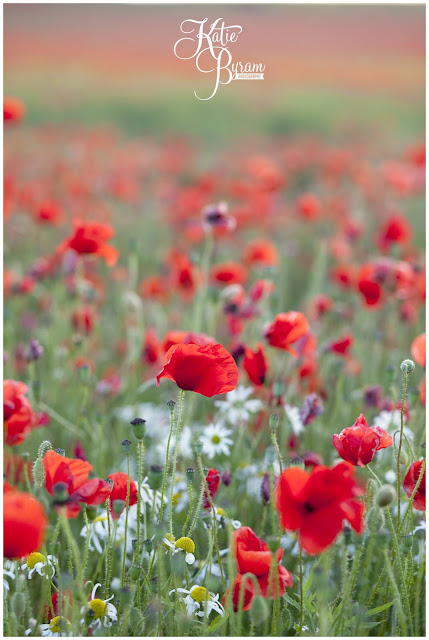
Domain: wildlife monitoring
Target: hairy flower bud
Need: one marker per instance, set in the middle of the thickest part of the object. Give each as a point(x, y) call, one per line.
point(38, 472)
point(375, 520)
point(407, 366)
point(385, 496)
point(260, 610)
point(274, 422)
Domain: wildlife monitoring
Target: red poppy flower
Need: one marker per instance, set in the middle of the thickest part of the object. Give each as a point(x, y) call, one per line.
point(83, 319)
point(228, 273)
point(91, 238)
point(151, 347)
point(410, 482)
point(24, 524)
point(259, 289)
point(253, 556)
point(49, 212)
point(316, 503)
point(18, 415)
point(119, 490)
point(342, 346)
point(418, 350)
point(322, 304)
point(371, 292)
point(359, 443)
point(13, 109)
point(212, 479)
point(308, 206)
point(286, 329)
point(261, 253)
point(72, 475)
point(208, 370)
point(255, 364)
point(397, 230)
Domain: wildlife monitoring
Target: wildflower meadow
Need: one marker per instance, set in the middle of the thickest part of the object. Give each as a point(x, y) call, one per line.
point(214, 380)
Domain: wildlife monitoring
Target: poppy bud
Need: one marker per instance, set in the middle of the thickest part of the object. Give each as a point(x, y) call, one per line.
point(190, 475)
point(403, 458)
point(118, 507)
point(265, 489)
point(385, 496)
point(154, 584)
point(375, 520)
point(407, 366)
point(91, 513)
point(35, 351)
point(226, 478)
point(270, 455)
point(407, 543)
point(171, 404)
point(137, 621)
point(155, 476)
point(126, 445)
point(38, 472)
point(260, 611)
point(139, 428)
point(198, 448)
point(274, 422)
point(60, 491)
point(148, 544)
point(18, 604)
point(135, 571)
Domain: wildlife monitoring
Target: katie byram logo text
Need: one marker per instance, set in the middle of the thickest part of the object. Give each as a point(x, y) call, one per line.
point(209, 46)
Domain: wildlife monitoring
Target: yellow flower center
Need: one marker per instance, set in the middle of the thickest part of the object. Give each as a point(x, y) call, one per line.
point(215, 439)
point(221, 512)
point(176, 497)
point(99, 519)
point(99, 608)
point(198, 594)
point(167, 537)
point(58, 623)
point(186, 544)
point(34, 558)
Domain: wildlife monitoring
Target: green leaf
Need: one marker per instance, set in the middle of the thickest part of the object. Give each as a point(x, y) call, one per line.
point(383, 607)
point(218, 622)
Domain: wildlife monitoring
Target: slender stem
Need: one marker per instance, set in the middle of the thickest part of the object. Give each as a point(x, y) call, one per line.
point(197, 510)
point(190, 510)
point(109, 551)
point(161, 511)
point(85, 555)
point(176, 446)
point(276, 446)
point(127, 507)
point(202, 292)
point(301, 592)
point(398, 460)
point(139, 482)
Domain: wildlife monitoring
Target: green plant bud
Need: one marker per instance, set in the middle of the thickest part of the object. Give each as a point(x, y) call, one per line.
point(274, 422)
point(297, 462)
point(155, 476)
point(190, 475)
point(125, 595)
point(375, 520)
point(139, 428)
point(91, 512)
point(126, 445)
point(403, 458)
point(136, 622)
point(154, 584)
point(148, 544)
point(18, 603)
point(407, 366)
point(259, 611)
point(270, 455)
point(198, 448)
point(385, 496)
point(84, 374)
point(118, 506)
point(135, 571)
point(38, 472)
point(170, 405)
point(407, 543)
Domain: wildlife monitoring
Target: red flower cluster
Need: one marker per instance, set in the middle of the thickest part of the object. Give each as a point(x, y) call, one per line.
point(359, 443)
point(316, 503)
point(70, 475)
point(18, 415)
point(208, 370)
point(253, 556)
point(24, 524)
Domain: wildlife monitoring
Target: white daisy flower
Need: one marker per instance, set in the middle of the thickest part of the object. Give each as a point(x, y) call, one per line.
point(182, 545)
point(216, 441)
point(9, 572)
point(237, 407)
point(101, 612)
point(58, 627)
point(390, 421)
point(223, 518)
point(196, 600)
point(43, 565)
point(294, 419)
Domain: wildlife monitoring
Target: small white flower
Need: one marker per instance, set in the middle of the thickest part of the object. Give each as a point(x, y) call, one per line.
point(182, 545)
point(43, 565)
point(9, 572)
point(222, 518)
point(294, 419)
point(196, 600)
point(59, 627)
point(238, 407)
point(101, 612)
point(215, 439)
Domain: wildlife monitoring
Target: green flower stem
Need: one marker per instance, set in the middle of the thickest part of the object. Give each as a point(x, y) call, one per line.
point(85, 555)
point(188, 517)
point(109, 545)
point(176, 446)
point(398, 459)
point(276, 447)
point(127, 508)
point(164, 479)
point(197, 510)
point(301, 592)
point(140, 454)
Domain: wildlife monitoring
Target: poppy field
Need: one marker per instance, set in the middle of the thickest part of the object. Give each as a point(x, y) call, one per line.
point(214, 382)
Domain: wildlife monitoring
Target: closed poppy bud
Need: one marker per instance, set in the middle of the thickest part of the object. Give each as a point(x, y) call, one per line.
point(407, 543)
point(18, 604)
point(407, 366)
point(139, 428)
point(226, 477)
point(297, 462)
point(38, 472)
point(375, 520)
point(274, 422)
point(148, 544)
point(260, 610)
point(265, 489)
point(385, 496)
point(118, 507)
point(60, 452)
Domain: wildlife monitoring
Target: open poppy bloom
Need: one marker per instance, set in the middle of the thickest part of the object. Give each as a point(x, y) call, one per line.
point(261, 253)
point(359, 443)
point(228, 273)
point(69, 476)
point(410, 482)
point(119, 490)
point(371, 292)
point(24, 524)
point(208, 370)
point(90, 238)
point(253, 556)
point(418, 350)
point(315, 504)
point(212, 479)
point(342, 346)
point(255, 364)
point(13, 109)
point(397, 229)
point(18, 415)
point(286, 329)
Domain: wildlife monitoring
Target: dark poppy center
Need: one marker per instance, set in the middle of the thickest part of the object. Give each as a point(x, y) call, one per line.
point(309, 508)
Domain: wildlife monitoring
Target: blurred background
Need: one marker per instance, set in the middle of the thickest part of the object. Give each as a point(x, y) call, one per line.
point(330, 70)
